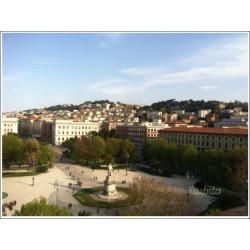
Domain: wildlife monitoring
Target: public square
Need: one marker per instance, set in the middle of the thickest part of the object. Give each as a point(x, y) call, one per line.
point(21, 190)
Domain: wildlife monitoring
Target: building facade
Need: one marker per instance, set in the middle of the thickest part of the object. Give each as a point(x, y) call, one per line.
point(30, 127)
point(231, 123)
point(207, 138)
point(63, 130)
point(203, 112)
point(139, 134)
point(9, 125)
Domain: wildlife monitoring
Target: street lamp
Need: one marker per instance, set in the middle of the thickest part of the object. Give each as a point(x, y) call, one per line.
point(33, 172)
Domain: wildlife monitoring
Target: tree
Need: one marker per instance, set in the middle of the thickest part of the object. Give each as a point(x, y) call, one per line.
point(98, 147)
point(81, 149)
point(41, 208)
point(112, 149)
point(237, 170)
point(170, 158)
point(69, 143)
point(127, 150)
point(32, 150)
point(189, 156)
point(212, 166)
point(157, 199)
point(13, 149)
point(47, 154)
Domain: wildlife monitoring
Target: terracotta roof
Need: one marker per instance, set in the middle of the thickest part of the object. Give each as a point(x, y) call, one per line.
point(233, 131)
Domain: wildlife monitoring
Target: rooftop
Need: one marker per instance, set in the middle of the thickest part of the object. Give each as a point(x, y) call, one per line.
point(233, 131)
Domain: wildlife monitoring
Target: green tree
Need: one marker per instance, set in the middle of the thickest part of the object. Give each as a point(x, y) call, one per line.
point(41, 208)
point(112, 149)
point(47, 155)
point(82, 149)
point(13, 149)
point(98, 147)
point(189, 156)
point(170, 158)
point(212, 166)
point(32, 150)
point(127, 152)
point(237, 169)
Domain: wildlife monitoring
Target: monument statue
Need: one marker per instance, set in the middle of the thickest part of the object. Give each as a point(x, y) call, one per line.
point(109, 183)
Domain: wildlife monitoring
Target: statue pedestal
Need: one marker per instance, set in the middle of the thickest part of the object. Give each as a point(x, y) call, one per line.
point(109, 192)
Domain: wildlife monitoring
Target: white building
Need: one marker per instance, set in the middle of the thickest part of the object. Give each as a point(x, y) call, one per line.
point(9, 125)
point(63, 130)
point(203, 112)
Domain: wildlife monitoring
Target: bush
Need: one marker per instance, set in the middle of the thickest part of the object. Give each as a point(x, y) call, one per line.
point(41, 208)
point(42, 168)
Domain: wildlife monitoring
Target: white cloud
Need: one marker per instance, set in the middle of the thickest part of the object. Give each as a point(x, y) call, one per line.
point(16, 77)
point(209, 87)
point(218, 61)
point(144, 71)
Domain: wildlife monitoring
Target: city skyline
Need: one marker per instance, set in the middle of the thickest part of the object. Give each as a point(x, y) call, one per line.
point(45, 69)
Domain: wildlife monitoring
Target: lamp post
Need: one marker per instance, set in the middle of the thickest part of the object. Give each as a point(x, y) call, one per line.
point(33, 162)
point(33, 172)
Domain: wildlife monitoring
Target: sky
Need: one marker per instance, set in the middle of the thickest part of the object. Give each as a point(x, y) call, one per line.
point(44, 69)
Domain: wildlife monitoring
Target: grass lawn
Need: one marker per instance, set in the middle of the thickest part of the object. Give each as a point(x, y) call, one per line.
point(19, 174)
point(84, 197)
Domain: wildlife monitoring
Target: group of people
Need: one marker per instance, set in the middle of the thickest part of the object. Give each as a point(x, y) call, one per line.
point(95, 178)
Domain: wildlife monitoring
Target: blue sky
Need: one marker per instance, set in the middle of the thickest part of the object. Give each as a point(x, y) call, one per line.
point(43, 69)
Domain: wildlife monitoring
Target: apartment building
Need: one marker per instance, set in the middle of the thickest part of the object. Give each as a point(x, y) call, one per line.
point(9, 125)
point(232, 122)
point(141, 133)
point(63, 130)
point(203, 112)
point(30, 127)
point(206, 138)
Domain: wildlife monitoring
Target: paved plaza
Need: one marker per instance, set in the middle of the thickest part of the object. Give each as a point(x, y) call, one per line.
point(20, 189)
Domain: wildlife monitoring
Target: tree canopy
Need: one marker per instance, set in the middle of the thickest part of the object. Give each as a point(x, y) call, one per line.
point(40, 207)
